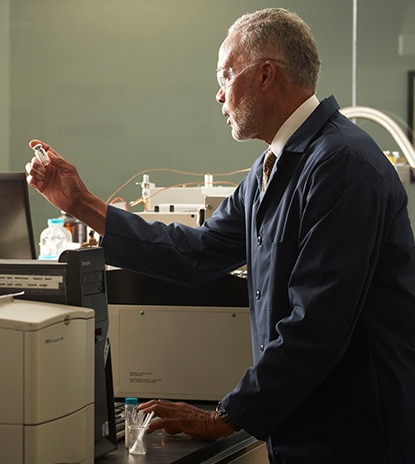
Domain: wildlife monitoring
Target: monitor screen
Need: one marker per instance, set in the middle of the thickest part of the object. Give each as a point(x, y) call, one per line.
point(16, 232)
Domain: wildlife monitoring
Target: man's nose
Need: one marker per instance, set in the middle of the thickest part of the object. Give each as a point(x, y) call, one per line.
point(220, 96)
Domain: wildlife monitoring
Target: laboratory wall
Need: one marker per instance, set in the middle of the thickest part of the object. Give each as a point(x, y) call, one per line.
point(123, 86)
point(4, 84)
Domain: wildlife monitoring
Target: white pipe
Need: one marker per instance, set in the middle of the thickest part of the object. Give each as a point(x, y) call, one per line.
point(353, 112)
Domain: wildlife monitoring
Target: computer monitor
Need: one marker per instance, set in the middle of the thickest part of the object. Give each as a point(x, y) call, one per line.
point(16, 232)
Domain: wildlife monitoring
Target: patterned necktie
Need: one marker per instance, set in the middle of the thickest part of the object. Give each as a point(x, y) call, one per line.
point(269, 161)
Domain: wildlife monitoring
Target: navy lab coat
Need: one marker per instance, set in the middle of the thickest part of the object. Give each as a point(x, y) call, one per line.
point(331, 277)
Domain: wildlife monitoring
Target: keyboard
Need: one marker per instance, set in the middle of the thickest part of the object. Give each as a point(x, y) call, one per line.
point(119, 408)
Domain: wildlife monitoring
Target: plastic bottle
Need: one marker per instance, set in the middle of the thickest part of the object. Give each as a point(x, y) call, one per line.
point(130, 404)
point(54, 239)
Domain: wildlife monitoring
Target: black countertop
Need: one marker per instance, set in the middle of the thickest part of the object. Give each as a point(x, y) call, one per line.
point(182, 449)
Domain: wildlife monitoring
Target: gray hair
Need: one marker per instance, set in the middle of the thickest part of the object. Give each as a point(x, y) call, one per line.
point(283, 36)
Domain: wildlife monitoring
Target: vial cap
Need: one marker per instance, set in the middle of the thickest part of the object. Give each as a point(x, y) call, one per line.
point(133, 401)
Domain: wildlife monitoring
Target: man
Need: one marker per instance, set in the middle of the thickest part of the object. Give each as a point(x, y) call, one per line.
point(330, 257)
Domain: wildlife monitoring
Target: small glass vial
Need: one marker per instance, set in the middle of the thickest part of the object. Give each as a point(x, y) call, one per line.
point(41, 154)
point(130, 404)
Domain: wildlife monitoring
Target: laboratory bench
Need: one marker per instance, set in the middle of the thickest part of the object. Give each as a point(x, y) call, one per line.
point(128, 288)
point(239, 448)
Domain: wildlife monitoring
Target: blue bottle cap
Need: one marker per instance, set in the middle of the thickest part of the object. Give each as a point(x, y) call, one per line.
point(59, 221)
point(133, 401)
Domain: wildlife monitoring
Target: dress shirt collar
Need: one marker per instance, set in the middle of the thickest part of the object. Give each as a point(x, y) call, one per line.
point(292, 124)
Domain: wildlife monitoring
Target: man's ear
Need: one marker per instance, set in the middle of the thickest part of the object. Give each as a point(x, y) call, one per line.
point(268, 74)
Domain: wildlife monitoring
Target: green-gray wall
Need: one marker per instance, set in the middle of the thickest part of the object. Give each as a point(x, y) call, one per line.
point(120, 86)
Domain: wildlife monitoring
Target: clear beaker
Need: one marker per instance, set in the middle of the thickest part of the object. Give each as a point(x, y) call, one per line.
point(137, 439)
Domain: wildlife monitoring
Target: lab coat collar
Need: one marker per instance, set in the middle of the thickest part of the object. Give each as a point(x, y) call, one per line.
point(303, 136)
point(295, 121)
